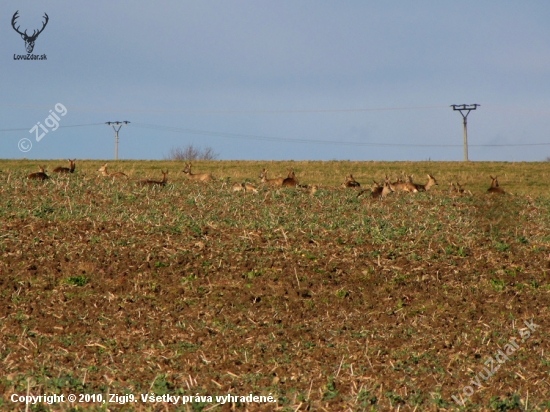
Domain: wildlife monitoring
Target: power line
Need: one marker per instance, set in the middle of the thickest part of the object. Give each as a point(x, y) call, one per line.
point(280, 111)
point(274, 139)
point(223, 111)
point(286, 139)
point(59, 127)
point(315, 141)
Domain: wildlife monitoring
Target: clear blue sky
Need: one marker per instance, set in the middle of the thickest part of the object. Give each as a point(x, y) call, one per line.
point(212, 72)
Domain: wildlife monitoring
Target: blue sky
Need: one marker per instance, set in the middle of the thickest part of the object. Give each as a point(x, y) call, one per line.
point(274, 79)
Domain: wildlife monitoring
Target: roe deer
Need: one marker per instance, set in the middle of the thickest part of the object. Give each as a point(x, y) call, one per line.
point(400, 186)
point(69, 169)
point(249, 187)
point(116, 175)
point(244, 187)
point(155, 182)
point(455, 188)
point(237, 187)
point(375, 187)
point(458, 188)
point(278, 182)
point(200, 177)
point(38, 175)
point(350, 182)
point(291, 180)
point(427, 186)
point(495, 187)
point(378, 191)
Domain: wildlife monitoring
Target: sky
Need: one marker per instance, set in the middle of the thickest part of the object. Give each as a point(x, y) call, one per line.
point(277, 80)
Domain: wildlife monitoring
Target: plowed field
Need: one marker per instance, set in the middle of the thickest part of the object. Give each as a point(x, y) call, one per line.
point(325, 302)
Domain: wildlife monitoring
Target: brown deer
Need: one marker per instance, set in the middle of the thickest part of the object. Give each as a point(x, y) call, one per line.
point(350, 182)
point(38, 175)
point(427, 186)
point(69, 169)
point(458, 188)
point(161, 183)
point(455, 188)
point(115, 175)
point(381, 191)
point(278, 182)
point(199, 177)
point(249, 187)
point(244, 187)
point(495, 188)
point(291, 180)
point(401, 186)
point(237, 187)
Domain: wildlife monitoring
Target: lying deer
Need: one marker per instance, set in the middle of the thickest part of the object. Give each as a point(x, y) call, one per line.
point(38, 175)
point(161, 183)
point(244, 187)
point(350, 182)
point(457, 188)
point(199, 177)
point(495, 187)
point(427, 186)
point(291, 180)
point(401, 186)
point(378, 191)
point(277, 182)
point(69, 169)
point(115, 175)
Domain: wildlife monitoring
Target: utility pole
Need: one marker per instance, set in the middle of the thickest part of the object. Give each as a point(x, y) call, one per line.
point(116, 128)
point(464, 110)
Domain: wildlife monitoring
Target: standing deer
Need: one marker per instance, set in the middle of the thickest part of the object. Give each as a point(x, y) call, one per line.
point(69, 169)
point(161, 183)
point(351, 182)
point(495, 187)
point(38, 175)
point(291, 180)
point(278, 182)
point(200, 177)
point(115, 175)
point(29, 40)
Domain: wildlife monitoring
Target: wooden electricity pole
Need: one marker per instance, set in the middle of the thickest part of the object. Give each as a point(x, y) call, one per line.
point(464, 110)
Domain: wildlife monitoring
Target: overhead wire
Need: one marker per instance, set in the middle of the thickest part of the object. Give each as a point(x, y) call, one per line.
point(59, 127)
point(316, 141)
point(267, 138)
point(224, 111)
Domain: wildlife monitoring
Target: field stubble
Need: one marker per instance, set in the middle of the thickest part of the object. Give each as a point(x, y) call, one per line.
point(326, 301)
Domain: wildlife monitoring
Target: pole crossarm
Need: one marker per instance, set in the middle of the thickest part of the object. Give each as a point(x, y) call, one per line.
point(116, 127)
point(465, 108)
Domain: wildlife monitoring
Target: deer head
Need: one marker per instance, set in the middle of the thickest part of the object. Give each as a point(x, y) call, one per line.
point(29, 40)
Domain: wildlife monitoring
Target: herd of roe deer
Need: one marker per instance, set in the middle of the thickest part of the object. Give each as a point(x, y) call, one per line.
point(377, 190)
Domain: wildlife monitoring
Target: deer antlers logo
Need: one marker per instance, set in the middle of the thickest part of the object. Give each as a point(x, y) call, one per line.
point(29, 40)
